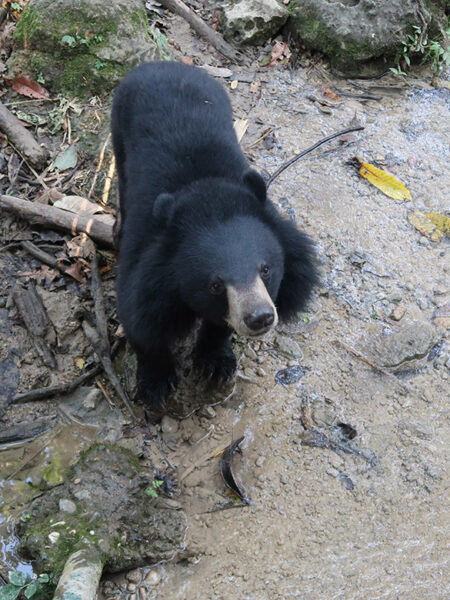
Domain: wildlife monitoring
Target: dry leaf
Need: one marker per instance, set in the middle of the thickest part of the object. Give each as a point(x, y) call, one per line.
point(79, 363)
point(330, 95)
point(280, 52)
point(78, 205)
point(187, 60)
point(81, 246)
point(388, 184)
point(431, 225)
point(23, 85)
point(255, 88)
point(76, 271)
point(234, 84)
point(240, 127)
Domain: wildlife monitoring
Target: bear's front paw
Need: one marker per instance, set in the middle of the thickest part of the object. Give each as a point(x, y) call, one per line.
point(220, 366)
point(154, 388)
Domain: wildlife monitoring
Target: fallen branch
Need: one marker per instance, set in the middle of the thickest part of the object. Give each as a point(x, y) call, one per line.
point(49, 216)
point(44, 257)
point(99, 306)
point(200, 27)
point(308, 150)
point(22, 138)
point(56, 390)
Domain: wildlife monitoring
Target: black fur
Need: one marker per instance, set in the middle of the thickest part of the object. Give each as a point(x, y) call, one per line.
point(191, 211)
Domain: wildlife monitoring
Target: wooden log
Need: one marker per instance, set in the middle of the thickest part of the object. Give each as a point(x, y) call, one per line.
point(22, 139)
point(51, 217)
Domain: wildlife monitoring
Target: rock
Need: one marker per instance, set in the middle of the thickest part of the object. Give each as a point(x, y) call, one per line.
point(288, 347)
point(81, 46)
point(397, 313)
point(252, 21)
point(169, 425)
point(67, 506)
point(117, 519)
point(394, 349)
point(372, 46)
point(134, 576)
point(152, 578)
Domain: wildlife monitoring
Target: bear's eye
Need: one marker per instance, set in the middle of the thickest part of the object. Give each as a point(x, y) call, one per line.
point(265, 271)
point(217, 287)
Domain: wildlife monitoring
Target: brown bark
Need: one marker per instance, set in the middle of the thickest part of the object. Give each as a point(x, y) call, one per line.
point(22, 139)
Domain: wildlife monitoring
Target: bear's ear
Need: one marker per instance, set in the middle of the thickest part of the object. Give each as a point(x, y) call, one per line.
point(256, 183)
point(163, 208)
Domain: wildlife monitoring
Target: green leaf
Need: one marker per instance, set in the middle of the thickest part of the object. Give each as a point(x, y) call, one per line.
point(9, 592)
point(68, 40)
point(18, 578)
point(44, 578)
point(151, 492)
point(16, 6)
point(32, 589)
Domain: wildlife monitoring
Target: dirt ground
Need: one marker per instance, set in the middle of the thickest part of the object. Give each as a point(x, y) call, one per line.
point(368, 516)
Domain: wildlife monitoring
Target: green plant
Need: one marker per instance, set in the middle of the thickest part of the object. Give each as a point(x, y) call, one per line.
point(16, 6)
point(31, 587)
point(417, 43)
point(152, 490)
point(160, 40)
point(40, 79)
point(78, 40)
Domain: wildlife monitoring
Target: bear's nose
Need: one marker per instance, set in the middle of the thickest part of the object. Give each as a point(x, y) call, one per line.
point(259, 320)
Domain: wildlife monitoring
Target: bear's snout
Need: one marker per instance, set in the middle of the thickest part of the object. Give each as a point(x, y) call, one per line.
point(260, 320)
point(251, 311)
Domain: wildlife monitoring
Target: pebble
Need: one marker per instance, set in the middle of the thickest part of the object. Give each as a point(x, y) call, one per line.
point(397, 313)
point(260, 371)
point(207, 411)
point(131, 587)
point(260, 461)
point(169, 425)
point(67, 506)
point(54, 536)
point(134, 576)
point(152, 578)
point(250, 353)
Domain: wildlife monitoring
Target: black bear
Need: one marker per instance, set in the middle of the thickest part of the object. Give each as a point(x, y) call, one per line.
point(199, 238)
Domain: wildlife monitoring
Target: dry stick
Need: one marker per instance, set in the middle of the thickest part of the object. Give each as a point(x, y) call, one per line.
point(41, 214)
point(200, 27)
point(108, 181)
point(99, 165)
point(105, 359)
point(21, 138)
point(308, 150)
point(99, 306)
point(56, 390)
point(44, 257)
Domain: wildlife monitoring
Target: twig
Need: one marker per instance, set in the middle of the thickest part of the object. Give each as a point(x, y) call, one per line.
point(105, 359)
point(99, 165)
point(363, 358)
point(108, 181)
point(200, 27)
point(22, 138)
point(308, 150)
point(99, 307)
point(27, 461)
point(49, 216)
point(105, 393)
point(44, 257)
point(56, 390)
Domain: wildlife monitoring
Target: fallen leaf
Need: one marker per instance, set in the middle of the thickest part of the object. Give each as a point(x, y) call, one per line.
point(76, 271)
point(187, 60)
point(78, 205)
point(79, 363)
point(65, 160)
point(330, 95)
point(48, 196)
point(240, 127)
point(431, 225)
point(81, 246)
point(280, 53)
point(23, 85)
point(45, 273)
point(255, 88)
point(234, 84)
point(388, 184)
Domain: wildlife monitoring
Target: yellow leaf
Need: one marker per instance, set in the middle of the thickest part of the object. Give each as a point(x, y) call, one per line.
point(79, 363)
point(432, 225)
point(384, 182)
point(234, 84)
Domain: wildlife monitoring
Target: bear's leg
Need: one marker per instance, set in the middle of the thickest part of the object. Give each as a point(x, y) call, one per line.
point(156, 376)
point(214, 355)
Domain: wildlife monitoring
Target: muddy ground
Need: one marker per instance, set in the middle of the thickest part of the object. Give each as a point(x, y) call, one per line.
point(367, 517)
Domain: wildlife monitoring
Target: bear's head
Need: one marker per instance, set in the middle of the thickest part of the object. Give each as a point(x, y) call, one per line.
point(228, 254)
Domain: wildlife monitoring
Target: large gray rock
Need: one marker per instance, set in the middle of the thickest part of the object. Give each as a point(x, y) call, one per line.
point(353, 32)
point(81, 46)
point(252, 21)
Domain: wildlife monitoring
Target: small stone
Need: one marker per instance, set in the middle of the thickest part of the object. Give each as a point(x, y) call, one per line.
point(132, 597)
point(131, 587)
point(169, 425)
point(67, 506)
point(207, 411)
point(260, 371)
point(152, 578)
point(260, 461)
point(250, 353)
point(397, 313)
point(134, 576)
point(54, 536)
point(92, 398)
point(423, 241)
